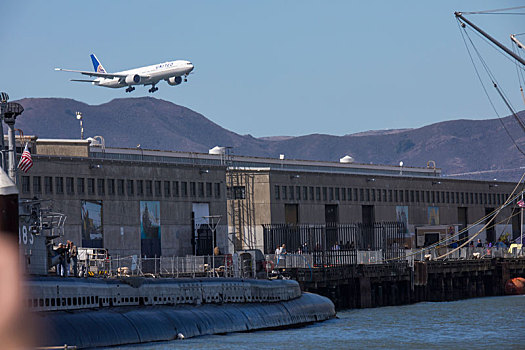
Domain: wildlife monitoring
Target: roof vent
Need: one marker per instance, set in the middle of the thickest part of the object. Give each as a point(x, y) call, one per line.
point(217, 150)
point(346, 159)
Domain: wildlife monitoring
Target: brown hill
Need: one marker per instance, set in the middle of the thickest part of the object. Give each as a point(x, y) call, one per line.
point(459, 146)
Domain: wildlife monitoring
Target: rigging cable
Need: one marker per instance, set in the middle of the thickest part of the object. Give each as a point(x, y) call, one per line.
point(519, 72)
point(460, 26)
point(492, 11)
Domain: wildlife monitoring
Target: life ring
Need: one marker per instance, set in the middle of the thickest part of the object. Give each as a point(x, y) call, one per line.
point(269, 265)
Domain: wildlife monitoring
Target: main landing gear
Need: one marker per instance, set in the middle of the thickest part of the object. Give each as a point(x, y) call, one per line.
point(130, 88)
point(153, 88)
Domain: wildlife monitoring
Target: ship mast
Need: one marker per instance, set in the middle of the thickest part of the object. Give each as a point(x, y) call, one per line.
point(463, 20)
point(490, 38)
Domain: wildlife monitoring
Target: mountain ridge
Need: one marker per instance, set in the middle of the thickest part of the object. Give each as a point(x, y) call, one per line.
point(457, 146)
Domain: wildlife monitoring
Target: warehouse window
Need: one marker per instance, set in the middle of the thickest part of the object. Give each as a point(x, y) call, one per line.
point(26, 184)
point(91, 186)
point(311, 190)
point(158, 188)
point(140, 187)
point(284, 194)
point(130, 188)
point(217, 190)
point(184, 189)
point(70, 185)
point(343, 194)
point(237, 192)
point(331, 193)
point(111, 187)
point(59, 185)
point(337, 196)
point(201, 189)
point(193, 189)
point(277, 192)
point(120, 187)
point(305, 193)
point(292, 194)
point(48, 184)
point(37, 184)
point(149, 188)
point(80, 186)
point(298, 192)
point(208, 189)
point(167, 189)
point(100, 187)
point(318, 193)
point(175, 185)
point(325, 194)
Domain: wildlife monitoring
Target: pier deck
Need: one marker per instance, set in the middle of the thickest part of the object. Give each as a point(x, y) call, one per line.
point(361, 286)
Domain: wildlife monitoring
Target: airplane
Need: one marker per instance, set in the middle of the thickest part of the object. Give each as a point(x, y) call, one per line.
point(172, 72)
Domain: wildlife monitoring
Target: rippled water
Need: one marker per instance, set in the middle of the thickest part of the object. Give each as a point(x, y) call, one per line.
point(483, 323)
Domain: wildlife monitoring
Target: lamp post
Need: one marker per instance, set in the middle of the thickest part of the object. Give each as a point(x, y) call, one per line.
point(79, 117)
point(213, 222)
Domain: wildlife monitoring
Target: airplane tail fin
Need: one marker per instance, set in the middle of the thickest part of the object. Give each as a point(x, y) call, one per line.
point(97, 65)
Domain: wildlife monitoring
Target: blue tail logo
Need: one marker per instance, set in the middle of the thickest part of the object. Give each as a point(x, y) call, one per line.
point(96, 64)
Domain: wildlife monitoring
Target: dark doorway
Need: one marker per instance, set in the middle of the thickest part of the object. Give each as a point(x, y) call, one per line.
point(431, 238)
point(331, 217)
point(463, 222)
point(491, 232)
point(331, 214)
point(368, 216)
point(204, 243)
point(291, 214)
point(150, 249)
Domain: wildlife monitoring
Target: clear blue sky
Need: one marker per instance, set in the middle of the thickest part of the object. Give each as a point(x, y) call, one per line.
point(267, 67)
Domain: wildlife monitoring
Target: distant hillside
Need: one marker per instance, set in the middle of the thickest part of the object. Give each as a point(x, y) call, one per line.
point(458, 146)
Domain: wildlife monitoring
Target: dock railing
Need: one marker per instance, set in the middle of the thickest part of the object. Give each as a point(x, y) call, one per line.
point(168, 266)
point(231, 265)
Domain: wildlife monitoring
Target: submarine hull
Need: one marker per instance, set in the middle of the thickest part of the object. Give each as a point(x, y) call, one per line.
point(128, 325)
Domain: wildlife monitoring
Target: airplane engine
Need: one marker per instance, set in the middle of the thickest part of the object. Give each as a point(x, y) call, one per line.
point(133, 79)
point(174, 81)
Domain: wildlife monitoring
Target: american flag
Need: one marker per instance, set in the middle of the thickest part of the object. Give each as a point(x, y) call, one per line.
point(521, 204)
point(25, 161)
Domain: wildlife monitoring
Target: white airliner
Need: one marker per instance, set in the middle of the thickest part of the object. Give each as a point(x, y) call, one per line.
point(172, 72)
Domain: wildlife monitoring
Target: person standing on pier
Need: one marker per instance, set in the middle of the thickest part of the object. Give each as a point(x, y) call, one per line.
point(73, 252)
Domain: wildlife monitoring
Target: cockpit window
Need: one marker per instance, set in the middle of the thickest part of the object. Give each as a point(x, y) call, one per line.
point(189, 63)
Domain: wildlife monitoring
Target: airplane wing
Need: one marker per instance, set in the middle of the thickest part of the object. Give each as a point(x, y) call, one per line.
point(94, 74)
point(99, 75)
point(83, 80)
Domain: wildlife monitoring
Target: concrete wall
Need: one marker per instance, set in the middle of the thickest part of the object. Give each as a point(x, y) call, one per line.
point(422, 194)
point(121, 212)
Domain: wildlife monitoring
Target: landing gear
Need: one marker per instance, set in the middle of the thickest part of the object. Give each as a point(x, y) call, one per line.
point(130, 88)
point(186, 78)
point(153, 88)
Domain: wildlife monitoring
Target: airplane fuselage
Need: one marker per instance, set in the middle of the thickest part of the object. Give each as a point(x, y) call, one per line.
point(154, 73)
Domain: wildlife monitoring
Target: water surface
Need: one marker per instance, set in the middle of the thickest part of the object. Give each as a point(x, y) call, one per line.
point(482, 323)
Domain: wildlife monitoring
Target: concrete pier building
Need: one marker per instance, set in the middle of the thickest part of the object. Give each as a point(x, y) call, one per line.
point(153, 203)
